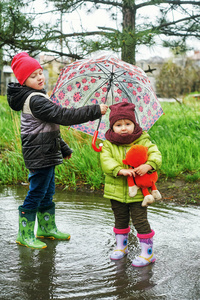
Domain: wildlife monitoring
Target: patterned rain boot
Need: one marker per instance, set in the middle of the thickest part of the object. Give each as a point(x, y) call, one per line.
point(147, 256)
point(26, 235)
point(46, 224)
point(121, 249)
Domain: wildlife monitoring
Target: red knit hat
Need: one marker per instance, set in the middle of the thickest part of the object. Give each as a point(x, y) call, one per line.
point(23, 66)
point(122, 110)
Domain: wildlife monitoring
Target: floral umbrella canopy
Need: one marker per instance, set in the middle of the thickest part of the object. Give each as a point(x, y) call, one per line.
point(106, 79)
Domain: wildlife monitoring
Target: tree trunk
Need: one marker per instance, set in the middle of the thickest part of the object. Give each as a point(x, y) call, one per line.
point(129, 40)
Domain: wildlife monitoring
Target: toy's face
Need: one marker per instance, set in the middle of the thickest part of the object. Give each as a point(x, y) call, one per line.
point(123, 126)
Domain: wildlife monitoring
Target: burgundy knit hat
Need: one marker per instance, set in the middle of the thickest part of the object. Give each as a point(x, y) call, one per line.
point(122, 110)
point(23, 66)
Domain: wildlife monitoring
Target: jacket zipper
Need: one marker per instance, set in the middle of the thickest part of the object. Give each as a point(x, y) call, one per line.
point(125, 180)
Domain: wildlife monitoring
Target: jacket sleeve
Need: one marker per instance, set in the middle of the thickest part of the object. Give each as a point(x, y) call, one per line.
point(109, 164)
point(154, 156)
point(65, 149)
point(47, 111)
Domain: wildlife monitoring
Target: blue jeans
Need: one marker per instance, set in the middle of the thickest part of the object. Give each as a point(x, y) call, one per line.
point(41, 188)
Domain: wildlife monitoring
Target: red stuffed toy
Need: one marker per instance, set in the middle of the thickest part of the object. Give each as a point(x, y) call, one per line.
point(136, 156)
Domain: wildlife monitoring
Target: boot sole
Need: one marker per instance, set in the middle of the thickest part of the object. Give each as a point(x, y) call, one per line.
point(31, 247)
point(144, 265)
point(52, 238)
point(119, 258)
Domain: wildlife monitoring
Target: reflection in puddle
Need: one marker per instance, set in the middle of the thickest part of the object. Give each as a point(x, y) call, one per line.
point(81, 268)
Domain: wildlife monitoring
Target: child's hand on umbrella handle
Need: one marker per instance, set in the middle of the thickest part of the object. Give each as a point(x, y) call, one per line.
point(103, 108)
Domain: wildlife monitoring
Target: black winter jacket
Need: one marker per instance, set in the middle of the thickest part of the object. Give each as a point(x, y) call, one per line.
point(42, 145)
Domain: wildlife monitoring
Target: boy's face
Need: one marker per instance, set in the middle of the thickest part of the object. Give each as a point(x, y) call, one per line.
point(36, 80)
point(123, 126)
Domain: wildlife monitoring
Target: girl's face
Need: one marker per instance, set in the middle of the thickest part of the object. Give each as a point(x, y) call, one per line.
point(123, 126)
point(36, 80)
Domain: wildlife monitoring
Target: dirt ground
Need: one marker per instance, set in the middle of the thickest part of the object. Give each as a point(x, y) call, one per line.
point(176, 191)
point(179, 191)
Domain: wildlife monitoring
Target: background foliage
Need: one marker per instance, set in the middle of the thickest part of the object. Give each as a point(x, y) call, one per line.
point(176, 133)
point(175, 80)
point(36, 26)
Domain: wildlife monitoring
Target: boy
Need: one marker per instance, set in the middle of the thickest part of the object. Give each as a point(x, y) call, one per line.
point(42, 146)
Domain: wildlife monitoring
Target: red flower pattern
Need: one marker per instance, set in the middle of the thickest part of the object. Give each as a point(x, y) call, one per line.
point(155, 105)
point(78, 85)
point(69, 88)
point(94, 101)
point(84, 83)
point(102, 126)
point(97, 94)
point(72, 75)
point(141, 108)
point(144, 120)
point(61, 95)
point(67, 102)
point(138, 98)
point(146, 99)
point(77, 97)
point(86, 87)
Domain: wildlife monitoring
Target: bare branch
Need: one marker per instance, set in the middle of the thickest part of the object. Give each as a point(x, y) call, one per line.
point(171, 2)
point(177, 21)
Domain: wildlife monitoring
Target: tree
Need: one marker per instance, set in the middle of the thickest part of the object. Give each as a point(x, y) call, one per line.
point(176, 20)
point(172, 21)
point(175, 80)
point(20, 30)
point(15, 26)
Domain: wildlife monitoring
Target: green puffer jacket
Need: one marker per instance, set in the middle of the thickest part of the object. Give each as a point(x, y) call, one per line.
point(111, 157)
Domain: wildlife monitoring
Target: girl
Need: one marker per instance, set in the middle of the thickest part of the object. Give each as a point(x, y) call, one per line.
point(123, 133)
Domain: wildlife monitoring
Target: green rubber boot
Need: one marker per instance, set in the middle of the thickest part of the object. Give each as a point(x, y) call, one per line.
point(26, 235)
point(46, 224)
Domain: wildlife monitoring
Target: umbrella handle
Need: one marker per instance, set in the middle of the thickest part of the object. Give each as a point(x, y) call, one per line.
point(94, 142)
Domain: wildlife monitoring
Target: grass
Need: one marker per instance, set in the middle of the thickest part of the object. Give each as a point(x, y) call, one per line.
point(176, 134)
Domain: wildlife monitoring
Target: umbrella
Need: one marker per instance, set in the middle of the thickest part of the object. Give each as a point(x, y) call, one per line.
point(106, 79)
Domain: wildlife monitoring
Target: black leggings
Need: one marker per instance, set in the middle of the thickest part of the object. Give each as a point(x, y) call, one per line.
point(124, 211)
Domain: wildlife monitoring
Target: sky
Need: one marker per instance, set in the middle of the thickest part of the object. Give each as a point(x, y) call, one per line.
point(100, 18)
